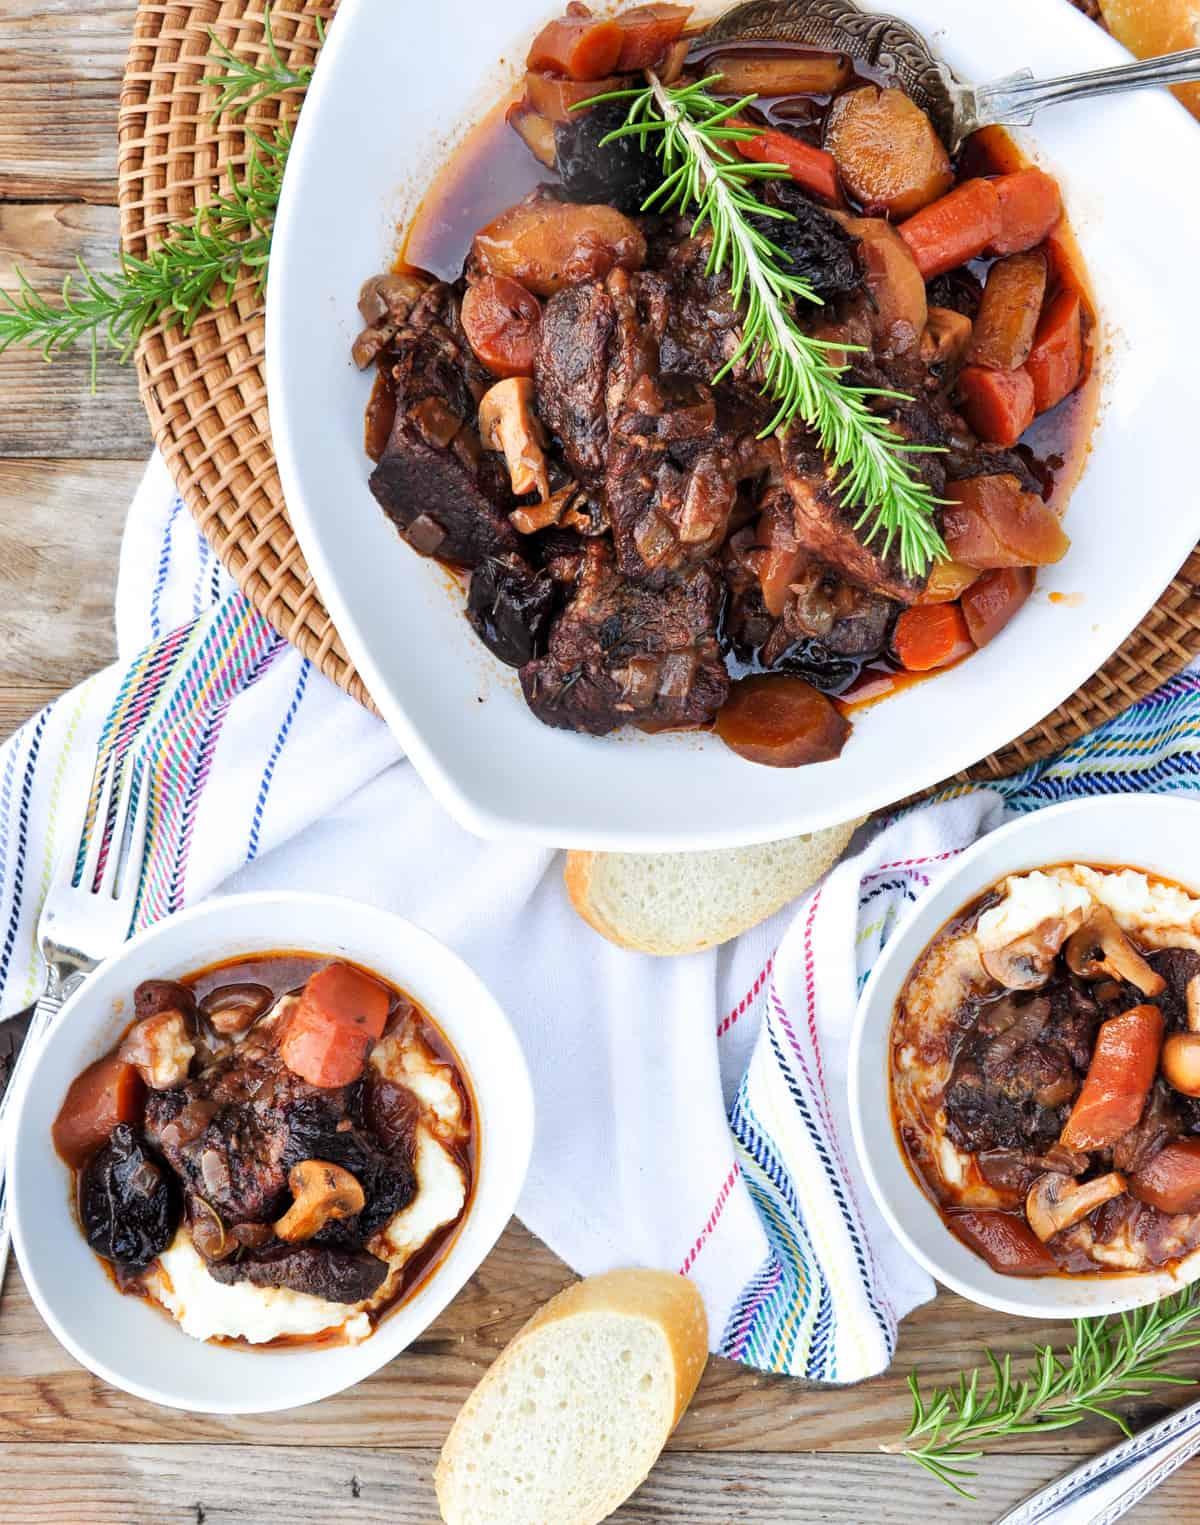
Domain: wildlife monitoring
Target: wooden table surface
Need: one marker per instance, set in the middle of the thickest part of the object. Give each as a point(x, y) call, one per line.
point(752, 1448)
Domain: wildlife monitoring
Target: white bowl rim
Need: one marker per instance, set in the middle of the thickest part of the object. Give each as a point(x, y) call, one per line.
point(1124, 1291)
point(377, 1350)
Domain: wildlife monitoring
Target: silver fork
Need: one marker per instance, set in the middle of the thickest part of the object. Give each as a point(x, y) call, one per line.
point(86, 916)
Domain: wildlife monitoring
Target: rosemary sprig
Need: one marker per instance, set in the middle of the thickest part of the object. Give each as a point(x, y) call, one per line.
point(242, 83)
point(196, 266)
point(1114, 1358)
point(702, 172)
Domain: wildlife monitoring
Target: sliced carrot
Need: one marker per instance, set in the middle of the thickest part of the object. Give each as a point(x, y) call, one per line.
point(581, 47)
point(1124, 1064)
point(990, 603)
point(955, 228)
point(340, 1014)
point(1008, 314)
point(1056, 360)
point(1030, 207)
point(928, 636)
point(108, 1092)
point(812, 168)
point(1006, 1242)
point(647, 32)
point(998, 405)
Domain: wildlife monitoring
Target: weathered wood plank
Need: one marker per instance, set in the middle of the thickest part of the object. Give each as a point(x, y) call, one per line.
point(60, 533)
point(46, 1398)
point(51, 410)
point(61, 63)
point(154, 1485)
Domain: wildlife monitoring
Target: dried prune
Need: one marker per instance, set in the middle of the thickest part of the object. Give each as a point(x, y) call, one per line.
point(509, 607)
point(154, 996)
point(621, 173)
point(128, 1201)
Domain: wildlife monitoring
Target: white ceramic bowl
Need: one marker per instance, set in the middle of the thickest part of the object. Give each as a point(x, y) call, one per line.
point(129, 1343)
point(1156, 834)
point(389, 98)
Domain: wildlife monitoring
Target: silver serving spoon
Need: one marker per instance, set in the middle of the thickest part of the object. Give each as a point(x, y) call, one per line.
point(894, 48)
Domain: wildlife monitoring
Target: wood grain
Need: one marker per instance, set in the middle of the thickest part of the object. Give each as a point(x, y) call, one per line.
point(290, 1485)
point(51, 410)
point(60, 80)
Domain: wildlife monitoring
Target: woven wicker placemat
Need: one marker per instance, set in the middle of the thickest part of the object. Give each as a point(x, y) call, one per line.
point(206, 392)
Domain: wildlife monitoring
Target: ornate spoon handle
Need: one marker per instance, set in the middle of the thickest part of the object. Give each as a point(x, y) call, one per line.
point(1102, 1489)
point(1014, 100)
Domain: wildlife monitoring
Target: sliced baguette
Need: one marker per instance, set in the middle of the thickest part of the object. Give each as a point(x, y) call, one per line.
point(573, 1414)
point(668, 903)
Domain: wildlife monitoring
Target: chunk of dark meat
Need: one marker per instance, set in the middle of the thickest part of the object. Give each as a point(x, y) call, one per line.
point(234, 1131)
point(623, 654)
point(338, 1276)
point(704, 323)
point(670, 478)
point(128, 1203)
point(827, 525)
point(447, 495)
point(1177, 966)
point(847, 620)
point(509, 607)
point(1158, 1125)
point(620, 172)
point(1012, 1083)
point(818, 249)
point(571, 370)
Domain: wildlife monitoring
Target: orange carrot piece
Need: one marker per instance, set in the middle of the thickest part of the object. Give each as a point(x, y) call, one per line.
point(1124, 1064)
point(581, 47)
point(998, 405)
point(955, 228)
point(812, 168)
point(1008, 314)
point(647, 32)
point(928, 636)
point(1030, 208)
point(1056, 360)
point(990, 603)
point(340, 1014)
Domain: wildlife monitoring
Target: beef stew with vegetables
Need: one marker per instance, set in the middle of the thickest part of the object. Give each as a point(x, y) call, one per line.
point(1044, 1076)
point(279, 1149)
point(568, 410)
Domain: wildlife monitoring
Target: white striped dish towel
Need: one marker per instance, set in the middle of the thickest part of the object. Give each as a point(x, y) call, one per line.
point(691, 1112)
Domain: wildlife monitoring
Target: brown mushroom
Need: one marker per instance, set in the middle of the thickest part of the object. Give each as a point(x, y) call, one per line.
point(1054, 1202)
point(1100, 950)
point(507, 422)
point(322, 1191)
point(1027, 962)
point(1181, 1052)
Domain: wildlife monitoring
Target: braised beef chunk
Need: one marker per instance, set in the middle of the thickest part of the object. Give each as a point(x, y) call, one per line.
point(1015, 1075)
point(233, 1133)
point(704, 323)
point(128, 1203)
point(338, 1276)
point(818, 249)
point(448, 496)
point(828, 526)
point(670, 477)
point(1178, 966)
point(571, 371)
point(623, 654)
point(509, 607)
point(620, 173)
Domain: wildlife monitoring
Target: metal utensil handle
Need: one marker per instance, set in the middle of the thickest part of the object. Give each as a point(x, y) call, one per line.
point(40, 1023)
point(1103, 1489)
point(1014, 101)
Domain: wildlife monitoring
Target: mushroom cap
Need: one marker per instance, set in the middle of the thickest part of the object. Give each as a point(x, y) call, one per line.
point(1027, 962)
point(1099, 950)
point(1055, 1202)
point(322, 1191)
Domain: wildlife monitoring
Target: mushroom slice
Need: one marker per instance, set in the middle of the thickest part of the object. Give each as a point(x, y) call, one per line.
point(322, 1191)
point(1027, 962)
point(507, 422)
point(1055, 1201)
point(1100, 950)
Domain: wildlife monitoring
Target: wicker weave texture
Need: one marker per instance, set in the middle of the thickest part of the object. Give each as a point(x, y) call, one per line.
point(206, 394)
